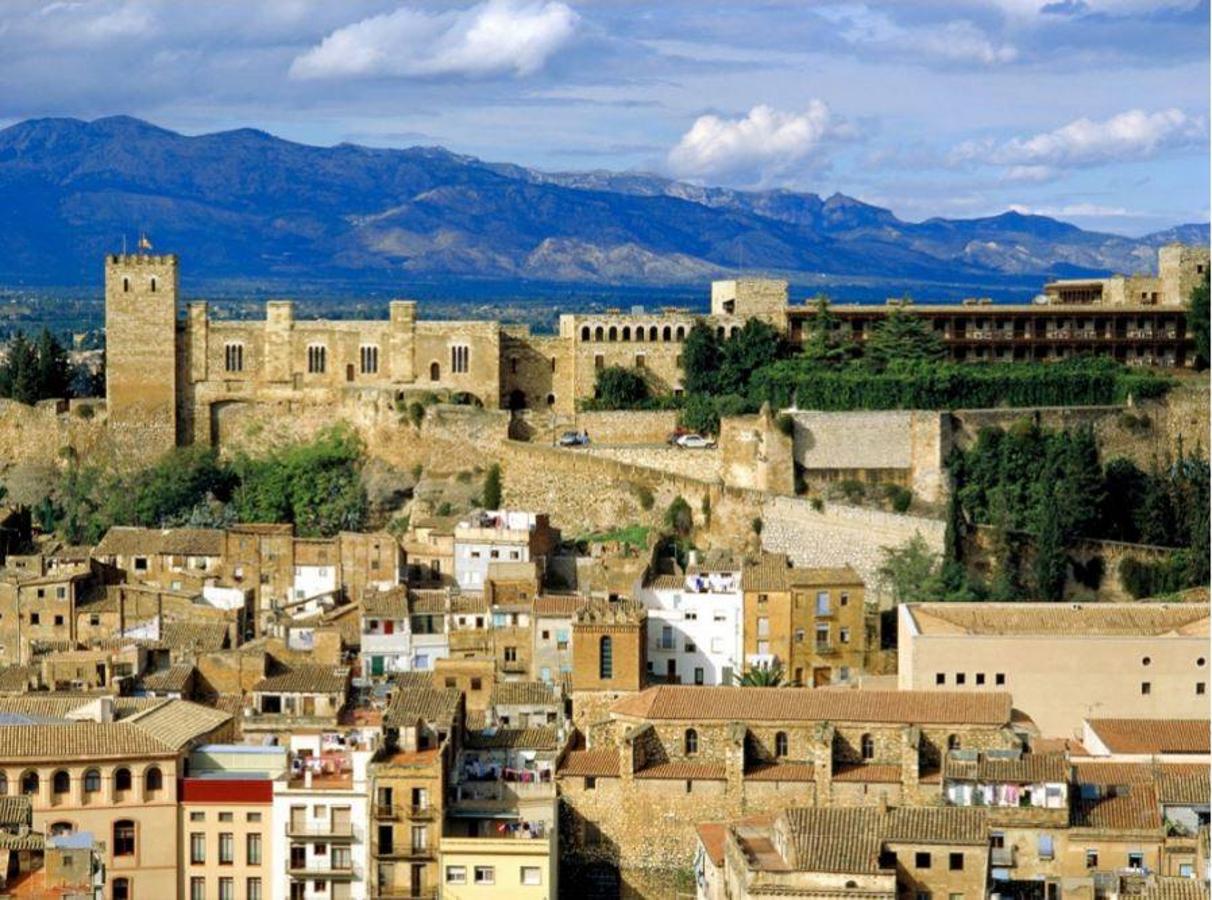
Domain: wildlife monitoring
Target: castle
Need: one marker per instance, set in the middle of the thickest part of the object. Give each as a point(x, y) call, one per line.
point(174, 379)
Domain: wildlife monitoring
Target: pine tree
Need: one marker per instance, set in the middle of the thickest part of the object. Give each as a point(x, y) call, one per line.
point(823, 342)
point(52, 373)
point(1051, 564)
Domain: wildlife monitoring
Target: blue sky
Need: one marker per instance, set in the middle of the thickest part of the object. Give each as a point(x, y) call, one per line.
point(1094, 111)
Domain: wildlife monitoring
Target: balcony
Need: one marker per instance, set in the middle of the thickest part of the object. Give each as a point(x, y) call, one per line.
point(314, 870)
point(514, 667)
point(421, 812)
point(393, 893)
point(385, 812)
point(824, 649)
point(407, 851)
point(1002, 857)
point(322, 831)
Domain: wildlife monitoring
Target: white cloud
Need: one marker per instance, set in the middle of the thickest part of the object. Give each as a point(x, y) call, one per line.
point(1024, 9)
point(495, 37)
point(765, 143)
point(957, 41)
point(1075, 211)
point(1128, 136)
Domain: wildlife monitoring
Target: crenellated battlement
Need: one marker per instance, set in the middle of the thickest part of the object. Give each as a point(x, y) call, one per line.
point(141, 259)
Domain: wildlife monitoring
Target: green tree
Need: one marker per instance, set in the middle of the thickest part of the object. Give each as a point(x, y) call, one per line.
point(700, 414)
point(824, 344)
point(760, 676)
point(52, 373)
point(492, 487)
point(912, 573)
point(679, 518)
point(700, 359)
point(742, 354)
point(1197, 323)
point(620, 388)
point(1050, 566)
point(902, 340)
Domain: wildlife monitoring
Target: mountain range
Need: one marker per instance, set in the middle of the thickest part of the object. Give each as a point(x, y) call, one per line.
point(245, 205)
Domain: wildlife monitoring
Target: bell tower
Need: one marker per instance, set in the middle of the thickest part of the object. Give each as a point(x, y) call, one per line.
point(141, 349)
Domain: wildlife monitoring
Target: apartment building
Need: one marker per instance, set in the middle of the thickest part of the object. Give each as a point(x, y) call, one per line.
point(301, 697)
point(320, 819)
point(38, 605)
point(695, 622)
point(109, 767)
point(227, 822)
point(810, 623)
point(491, 536)
point(1063, 662)
point(552, 635)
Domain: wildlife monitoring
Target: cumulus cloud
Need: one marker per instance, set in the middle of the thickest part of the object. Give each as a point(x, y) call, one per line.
point(762, 145)
point(1128, 136)
point(496, 37)
point(956, 41)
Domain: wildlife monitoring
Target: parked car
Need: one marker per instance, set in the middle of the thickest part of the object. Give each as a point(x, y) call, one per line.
point(676, 435)
point(574, 439)
point(695, 442)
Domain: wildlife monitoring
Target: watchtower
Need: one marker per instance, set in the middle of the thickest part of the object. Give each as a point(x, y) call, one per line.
point(141, 293)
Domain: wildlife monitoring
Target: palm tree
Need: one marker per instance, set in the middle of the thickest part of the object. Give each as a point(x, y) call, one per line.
point(761, 676)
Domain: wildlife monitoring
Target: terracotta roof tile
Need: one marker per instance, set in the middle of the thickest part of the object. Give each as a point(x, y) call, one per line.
point(1059, 618)
point(741, 704)
point(1029, 768)
point(524, 693)
point(599, 763)
point(1153, 735)
point(1183, 790)
point(391, 603)
point(1132, 808)
point(306, 679)
point(682, 770)
point(1160, 887)
point(174, 678)
point(1132, 772)
point(842, 840)
point(769, 573)
point(929, 825)
point(15, 810)
point(867, 772)
point(436, 706)
point(513, 738)
point(557, 606)
point(781, 772)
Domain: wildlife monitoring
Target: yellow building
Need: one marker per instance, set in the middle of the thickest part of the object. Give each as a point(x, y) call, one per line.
point(510, 868)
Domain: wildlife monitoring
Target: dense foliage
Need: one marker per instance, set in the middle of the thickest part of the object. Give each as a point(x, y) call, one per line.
point(36, 370)
point(1052, 486)
point(314, 485)
point(620, 388)
point(1198, 313)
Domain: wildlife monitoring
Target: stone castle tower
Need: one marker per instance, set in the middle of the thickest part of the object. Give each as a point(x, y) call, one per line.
point(141, 294)
point(1181, 267)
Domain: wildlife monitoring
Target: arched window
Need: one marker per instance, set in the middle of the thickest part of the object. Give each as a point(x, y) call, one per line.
point(92, 781)
point(551, 399)
point(460, 358)
point(597, 333)
point(122, 779)
point(124, 838)
point(652, 333)
point(681, 332)
point(584, 332)
point(153, 779)
point(153, 285)
point(953, 742)
point(122, 889)
point(61, 783)
point(719, 332)
point(3, 784)
point(59, 828)
point(614, 333)
point(435, 372)
point(692, 742)
point(29, 783)
point(126, 285)
point(626, 332)
point(867, 747)
point(605, 658)
point(667, 334)
point(780, 743)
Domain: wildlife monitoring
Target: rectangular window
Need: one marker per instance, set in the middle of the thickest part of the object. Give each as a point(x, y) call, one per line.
point(980, 677)
point(456, 875)
point(254, 889)
point(485, 875)
point(960, 678)
point(1045, 846)
point(460, 358)
point(197, 889)
point(197, 848)
point(1146, 688)
point(253, 848)
point(369, 359)
point(227, 848)
point(921, 860)
point(532, 875)
point(197, 816)
point(940, 678)
point(698, 675)
point(227, 889)
point(226, 817)
point(252, 817)
point(317, 359)
point(233, 357)
point(1201, 687)
point(999, 678)
point(599, 362)
point(955, 862)
point(843, 635)
point(639, 360)
point(1136, 860)
point(763, 626)
point(1091, 859)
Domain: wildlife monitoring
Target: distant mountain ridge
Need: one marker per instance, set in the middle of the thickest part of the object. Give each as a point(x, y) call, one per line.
point(247, 205)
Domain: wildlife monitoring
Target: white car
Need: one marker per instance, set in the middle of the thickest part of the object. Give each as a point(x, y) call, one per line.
point(695, 442)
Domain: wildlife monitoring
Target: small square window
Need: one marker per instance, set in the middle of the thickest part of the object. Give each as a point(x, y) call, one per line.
point(456, 875)
point(532, 875)
point(1091, 859)
point(980, 677)
point(940, 678)
point(1146, 688)
point(921, 860)
point(485, 875)
point(999, 678)
point(591, 783)
point(196, 816)
point(955, 862)
point(960, 677)
point(1201, 687)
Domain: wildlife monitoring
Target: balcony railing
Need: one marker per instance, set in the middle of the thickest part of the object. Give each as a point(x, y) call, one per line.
point(1002, 857)
point(421, 812)
point(824, 649)
point(317, 871)
point(407, 851)
point(385, 811)
point(329, 831)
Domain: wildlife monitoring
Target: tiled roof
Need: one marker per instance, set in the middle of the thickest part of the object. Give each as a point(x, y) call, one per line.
point(59, 704)
point(412, 680)
point(122, 540)
point(16, 679)
point(932, 825)
point(196, 637)
point(513, 738)
point(834, 840)
point(306, 679)
point(1132, 772)
point(174, 678)
point(523, 693)
point(769, 573)
point(467, 603)
point(681, 770)
point(178, 722)
point(433, 705)
point(1160, 887)
point(781, 772)
point(1132, 808)
point(601, 763)
point(1153, 735)
point(392, 603)
point(786, 704)
point(822, 577)
point(557, 606)
point(66, 740)
point(427, 603)
point(32, 840)
point(1183, 790)
point(711, 836)
point(1029, 768)
point(1061, 619)
point(869, 773)
point(15, 810)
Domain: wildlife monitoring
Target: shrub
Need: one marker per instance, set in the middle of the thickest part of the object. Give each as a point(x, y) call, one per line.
point(817, 504)
point(643, 496)
point(85, 411)
point(417, 470)
point(853, 490)
point(756, 525)
point(899, 498)
point(619, 388)
point(416, 413)
point(444, 508)
point(785, 424)
point(492, 487)
point(679, 518)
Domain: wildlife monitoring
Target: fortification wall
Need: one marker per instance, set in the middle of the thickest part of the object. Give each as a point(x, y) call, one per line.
point(39, 434)
point(838, 535)
point(625, 427)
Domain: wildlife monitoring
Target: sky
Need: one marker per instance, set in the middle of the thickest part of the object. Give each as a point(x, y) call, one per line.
point(1093, 111)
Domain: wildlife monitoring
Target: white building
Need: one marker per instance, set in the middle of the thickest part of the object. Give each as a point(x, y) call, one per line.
point(499, 536)
point(695, 622)
point(320, 820)
point(403, 630)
